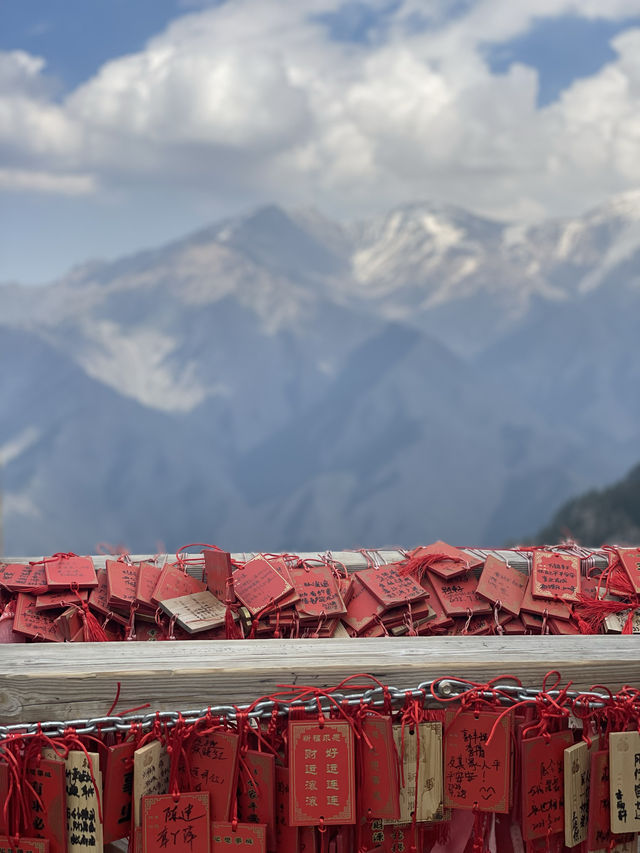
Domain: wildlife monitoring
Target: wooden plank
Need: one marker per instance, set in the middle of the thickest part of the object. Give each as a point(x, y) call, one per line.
point(48, 681)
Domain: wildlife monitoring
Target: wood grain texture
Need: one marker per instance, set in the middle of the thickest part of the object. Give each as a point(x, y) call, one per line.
point(48, 681)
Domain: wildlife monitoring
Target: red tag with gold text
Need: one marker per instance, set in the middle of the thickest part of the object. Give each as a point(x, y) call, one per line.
point(555, 575)
point(48, 815)
point(318, 591)
point(64, 571)
point(177, 823)
point(238, 836)
point(257, 792)
point(212, 760)
point(500, 582)
point(37, 625)
point(477, 773)
point(322, 778)
point(543, 784)
point(118, 789)
point(458, 596)
point(378, 765)
point(257, 584)
point(389, 586)
point(173, 582)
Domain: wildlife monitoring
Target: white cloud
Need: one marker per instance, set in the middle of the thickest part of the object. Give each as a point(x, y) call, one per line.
point(22, 180)
point(252, 97)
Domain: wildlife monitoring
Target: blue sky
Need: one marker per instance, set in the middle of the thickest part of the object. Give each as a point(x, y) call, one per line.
point(124, 124)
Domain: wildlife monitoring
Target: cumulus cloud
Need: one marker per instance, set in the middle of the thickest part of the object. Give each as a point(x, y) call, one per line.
point(255, 95)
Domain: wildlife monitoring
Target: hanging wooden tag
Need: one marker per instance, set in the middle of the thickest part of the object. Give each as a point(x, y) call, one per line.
point(4, 793)
point(577, 776)
point(362, 609)
point(390, 587)
point(286, 835)
point(33, 624)
point(543, 784)
point(148, 577)
point(378, 782)
point(555, 576)
point(99, 600)
point(318, 592)
point(459, 595)
point(48, 815)
point(239, 836)
point(624, 781)
point(322, 773)
point(84, 827)
point(56, 600)
point(178, 823)
point(477, 773)
point(122, 583)
point(16, 577)
point(173, 582)
point(24, 845)
point(453, 562)
point(197, 612)
point(419, 749)
point(151, 767)
point(257, 792)
point(501, 582)
point(542, 607)
point(219, 574)
point(118, 791)
point(630, 559)
point(599, 835)
point(212, 760)
point(65, 571)
point(257, 584)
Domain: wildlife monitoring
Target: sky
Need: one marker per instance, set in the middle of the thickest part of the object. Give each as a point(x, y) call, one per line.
point(127, 123)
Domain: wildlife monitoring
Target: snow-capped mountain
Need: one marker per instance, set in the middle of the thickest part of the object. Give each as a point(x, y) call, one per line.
point(281, 380)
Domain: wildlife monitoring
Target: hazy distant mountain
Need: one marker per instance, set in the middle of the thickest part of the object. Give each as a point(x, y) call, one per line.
point(602, 516)
point(281, 380)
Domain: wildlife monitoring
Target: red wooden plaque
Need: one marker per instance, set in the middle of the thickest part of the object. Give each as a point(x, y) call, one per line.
point(543, 784)
point(179, 824)
point(257, 584)
point(555, 576)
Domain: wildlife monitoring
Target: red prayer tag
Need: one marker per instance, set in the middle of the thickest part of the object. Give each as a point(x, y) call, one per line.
point(454, 562)
point(257, 791)
point(543, 784)
point(458, 596)
point(321, 765)
point(24, 845)
point(378, 767)
point(148, 577)
point(630, 559)
point(53, 600)
point(257, 584)
point(362, 609)
point(173, 582)
point(555, 576)
point(99, 599)
point(122, 583)
point(118, 790)
point(47, 811)
point(65, 571)
point(7, 634)
point(389, 586)
point(218, 574)
point(477, 773)
point(37, 625)
point(599, 835)
point(286, 835)
point(17, 577)
point(318, 591)
point(213, 766)
point(238, 836)
point(178, 823)
point(542, 607)
point(4, 793)
point(308, 840)
point(502, 583)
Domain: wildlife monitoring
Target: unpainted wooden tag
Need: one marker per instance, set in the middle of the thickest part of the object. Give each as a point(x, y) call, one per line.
point(422, 752)
point(624, 781)
point(577, 781)
point(197, 612)
point(151, 767)
point(84, 827)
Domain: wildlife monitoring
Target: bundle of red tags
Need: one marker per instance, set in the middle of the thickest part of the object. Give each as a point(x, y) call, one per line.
point(436, 589)
point(314, 773)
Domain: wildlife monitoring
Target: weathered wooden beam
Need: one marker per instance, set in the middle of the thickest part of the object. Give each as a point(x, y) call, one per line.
point(58, 682)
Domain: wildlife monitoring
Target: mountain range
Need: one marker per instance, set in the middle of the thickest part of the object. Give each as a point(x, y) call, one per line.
point(281, 380)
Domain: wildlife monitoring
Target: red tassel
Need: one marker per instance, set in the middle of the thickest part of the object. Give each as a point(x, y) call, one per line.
point(233, 630)
point(479, 829)
point(628, 625)
point(416, 565)
point(92, 630)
